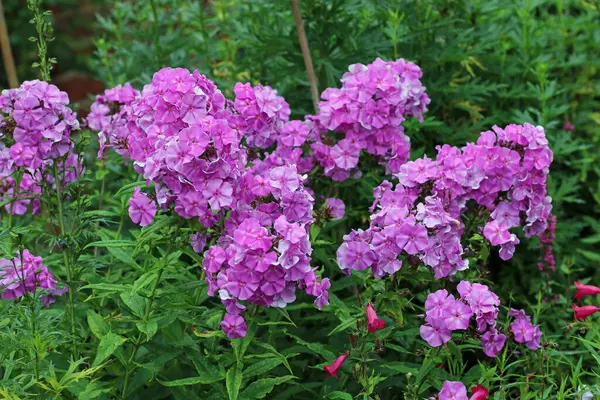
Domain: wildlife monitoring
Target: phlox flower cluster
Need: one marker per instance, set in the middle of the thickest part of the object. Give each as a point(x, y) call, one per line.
point(26, 273)
point(109, 116)
point(186, 138)
point(524, 331)
point(293, 145)
point(263, 255)
point(181, 139)
point(37, 124)
point(369, 109)
point(503, 175)
point(261, 114)
point(34, 132)
point(445, 314)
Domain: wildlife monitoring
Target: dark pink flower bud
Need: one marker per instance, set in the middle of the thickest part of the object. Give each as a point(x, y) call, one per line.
point(583, 312)
point(585, 290)
point(568, 126)
point(479, 393)
point(336, 365)
point(373, 322)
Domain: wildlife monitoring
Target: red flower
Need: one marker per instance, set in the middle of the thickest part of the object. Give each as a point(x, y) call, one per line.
point(479, 393)
point(585, 290)
point(374, 323)
point(583, 312)
point(336, 365)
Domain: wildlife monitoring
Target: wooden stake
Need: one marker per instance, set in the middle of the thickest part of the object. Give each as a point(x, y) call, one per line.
point(9, 62)
point(312, 78)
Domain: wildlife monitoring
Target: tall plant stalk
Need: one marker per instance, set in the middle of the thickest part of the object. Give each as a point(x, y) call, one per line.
point(147, 312)
point(45, 34)
point(61, 223)
point(310, 70)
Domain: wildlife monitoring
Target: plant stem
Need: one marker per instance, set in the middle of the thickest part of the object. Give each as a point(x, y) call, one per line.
point(101, 199)
point(312, 78)
point(35, 360)
point(156, 33)
point(147, 312)
point(472, 220)
point(110, 260)
point(363, 354)
point(7, 56)
point(61, 223)
point(10, 212)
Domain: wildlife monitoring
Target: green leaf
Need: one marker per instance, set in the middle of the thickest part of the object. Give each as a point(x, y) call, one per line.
point(196, 380)
point(397, 348)
point(591, 239)
point(274, 351)
point(108, 344)
point(108, 287)
point(128, 189)
point(204, 368)
point(149, 328)
point(101, 173)
point(314, 232)
point(401, 367)
point(208, 334)
point(143, 281)
point(455, 351)
point(262, 367)
point(262, 387)
point(111, 243)
point(589, 255)
point(233, 381)
point(424, 371)
point(99, 213)
point(316, 348)
point(484, 253)
point(348, 322)
point(97, 325)
point(241, 345)
point(93, 390)
point(124, 256)
point(157, 363)
point(337, 395)
point(322, 243)
point(135, 302)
